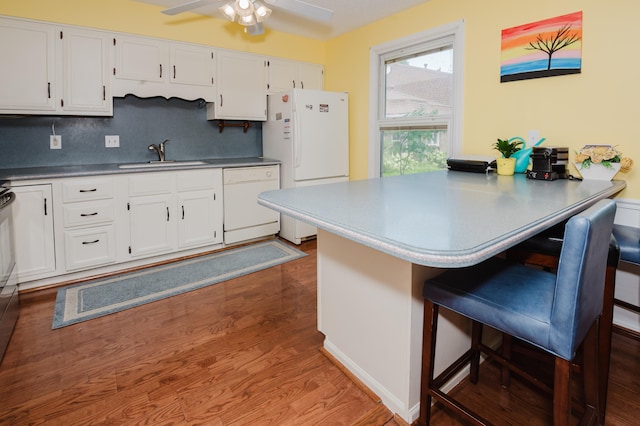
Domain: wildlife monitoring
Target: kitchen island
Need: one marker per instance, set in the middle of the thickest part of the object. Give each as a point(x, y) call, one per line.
point(379, 239)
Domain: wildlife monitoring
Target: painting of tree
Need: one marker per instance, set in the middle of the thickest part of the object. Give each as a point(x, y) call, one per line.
point(542, 49)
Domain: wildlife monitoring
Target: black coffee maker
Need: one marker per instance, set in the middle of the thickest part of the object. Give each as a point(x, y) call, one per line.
point(548, 163)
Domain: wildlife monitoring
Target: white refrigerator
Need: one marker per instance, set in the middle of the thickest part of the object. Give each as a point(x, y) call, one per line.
point(308, 132)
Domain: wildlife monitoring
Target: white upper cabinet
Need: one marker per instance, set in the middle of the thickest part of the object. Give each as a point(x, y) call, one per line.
point(242, 87)
point(285, 75)
point(85, 63)
point(51, 69)
point(192, 65)
point(140, 59)
point(148, 67)
point(27, 74)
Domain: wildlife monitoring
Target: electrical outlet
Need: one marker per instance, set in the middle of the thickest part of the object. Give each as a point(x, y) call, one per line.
point(112, 141)
point(534, 136)
point(55, 142)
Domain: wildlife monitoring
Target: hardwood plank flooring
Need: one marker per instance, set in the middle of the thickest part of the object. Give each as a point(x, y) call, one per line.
point(242, 352)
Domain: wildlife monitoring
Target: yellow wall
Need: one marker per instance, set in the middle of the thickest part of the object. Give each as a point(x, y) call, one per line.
point(133, 17)
point(596, 106)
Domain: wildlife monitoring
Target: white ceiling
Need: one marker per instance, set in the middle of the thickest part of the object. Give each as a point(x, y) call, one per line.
point(349, 15)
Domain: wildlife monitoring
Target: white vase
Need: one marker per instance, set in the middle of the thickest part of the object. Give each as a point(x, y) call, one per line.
point(598, 171)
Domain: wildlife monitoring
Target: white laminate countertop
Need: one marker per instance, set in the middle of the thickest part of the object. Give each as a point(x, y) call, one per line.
point(440, 219)
point(34, 173)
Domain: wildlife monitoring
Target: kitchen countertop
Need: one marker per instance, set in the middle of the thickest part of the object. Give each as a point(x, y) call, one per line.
point(440, 219)
point(34, 173)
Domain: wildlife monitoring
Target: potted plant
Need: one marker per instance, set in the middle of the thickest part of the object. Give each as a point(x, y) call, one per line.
point(507, 147)
point(601, 162)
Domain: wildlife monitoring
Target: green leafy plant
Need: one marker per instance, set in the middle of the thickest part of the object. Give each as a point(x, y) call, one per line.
point(507, 147)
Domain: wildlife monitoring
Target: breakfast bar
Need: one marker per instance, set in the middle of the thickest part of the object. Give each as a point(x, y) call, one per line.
point(379, 239)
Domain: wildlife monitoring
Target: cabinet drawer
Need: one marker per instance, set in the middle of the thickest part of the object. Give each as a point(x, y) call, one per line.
point(152, 184)
point(198, 179)
point(87, 189)
point(89, 247)
point(88, 213)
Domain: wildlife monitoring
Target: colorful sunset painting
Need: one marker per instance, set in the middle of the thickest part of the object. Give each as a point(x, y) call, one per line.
point(542, 49)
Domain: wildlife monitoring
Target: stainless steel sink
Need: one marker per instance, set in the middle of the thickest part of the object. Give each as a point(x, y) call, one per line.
point(161, 164)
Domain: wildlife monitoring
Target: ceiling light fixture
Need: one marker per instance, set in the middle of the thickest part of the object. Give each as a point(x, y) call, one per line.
point(249, 13)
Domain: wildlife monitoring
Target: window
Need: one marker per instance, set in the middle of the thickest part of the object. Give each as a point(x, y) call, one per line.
point(416, 102)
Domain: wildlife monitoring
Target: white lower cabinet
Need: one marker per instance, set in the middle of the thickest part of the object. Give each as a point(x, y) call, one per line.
point(88, 217)
point(67, 228)
point(152, 225)
point(171, 211)
point(196, 222)
point(199, 208)
point(89, 247)
point(33, 226)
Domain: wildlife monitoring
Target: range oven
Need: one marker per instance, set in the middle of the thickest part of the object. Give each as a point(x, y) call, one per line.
point(8, 277)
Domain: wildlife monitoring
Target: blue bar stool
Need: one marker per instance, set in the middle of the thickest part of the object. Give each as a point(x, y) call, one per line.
point(628, 238)
point(543, 250)
point(555, 312)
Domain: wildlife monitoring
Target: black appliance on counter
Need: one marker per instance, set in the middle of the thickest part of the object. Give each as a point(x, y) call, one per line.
point(548, 163)
point(8, 278)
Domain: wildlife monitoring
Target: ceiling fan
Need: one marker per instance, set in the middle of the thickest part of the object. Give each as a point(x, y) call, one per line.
point(251, 13)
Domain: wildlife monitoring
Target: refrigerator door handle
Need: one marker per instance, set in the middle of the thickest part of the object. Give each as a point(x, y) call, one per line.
point(297, 154)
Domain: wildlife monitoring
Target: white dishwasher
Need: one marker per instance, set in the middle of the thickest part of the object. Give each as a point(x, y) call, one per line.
point(244, 218)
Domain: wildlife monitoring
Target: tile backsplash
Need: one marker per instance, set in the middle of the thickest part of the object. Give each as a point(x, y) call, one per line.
point(24, 140)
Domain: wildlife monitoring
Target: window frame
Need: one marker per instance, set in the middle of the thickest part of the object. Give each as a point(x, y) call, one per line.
point(414, 43)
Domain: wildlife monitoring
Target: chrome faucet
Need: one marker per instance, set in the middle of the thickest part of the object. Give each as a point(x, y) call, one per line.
point(159, 149)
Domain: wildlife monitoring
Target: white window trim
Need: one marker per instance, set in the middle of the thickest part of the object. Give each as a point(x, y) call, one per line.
point(376, 85)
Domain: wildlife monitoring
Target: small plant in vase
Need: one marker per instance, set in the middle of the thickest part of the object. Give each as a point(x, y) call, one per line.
point(601, 162)
point(507, 147)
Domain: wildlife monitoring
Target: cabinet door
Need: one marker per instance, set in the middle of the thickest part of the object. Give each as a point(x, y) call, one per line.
point(86, 72)
point(139, 58)
point(242, 87)
point(33, 223)
point(152, 224)
point(192, 64)
point(282, 75)
point(197, 221)
point(27, 74)
point(311, 76)
point(285, 75)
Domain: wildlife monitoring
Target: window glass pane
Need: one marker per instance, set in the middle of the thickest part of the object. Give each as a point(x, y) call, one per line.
point(419, 85)
point(406, 151)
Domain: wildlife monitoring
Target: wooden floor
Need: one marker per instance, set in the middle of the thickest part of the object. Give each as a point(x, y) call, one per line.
point(241, 352)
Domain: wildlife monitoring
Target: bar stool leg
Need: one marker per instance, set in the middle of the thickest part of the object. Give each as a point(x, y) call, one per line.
point(605, 328)
point(505, 374)
point(590, 375)
point(476, 339)
point(562, 393)
point(428, 355)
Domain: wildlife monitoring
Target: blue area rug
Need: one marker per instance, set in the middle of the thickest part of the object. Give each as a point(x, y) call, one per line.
point(105, 296)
